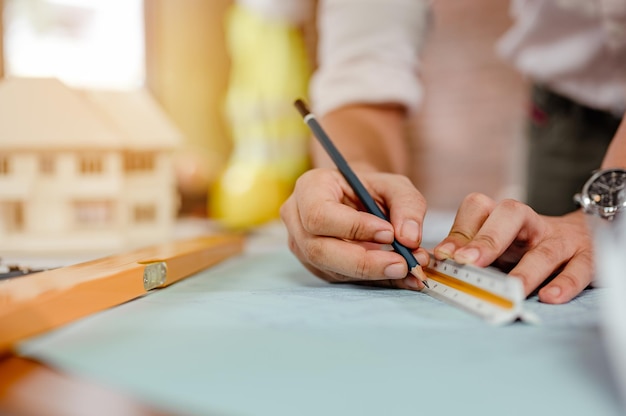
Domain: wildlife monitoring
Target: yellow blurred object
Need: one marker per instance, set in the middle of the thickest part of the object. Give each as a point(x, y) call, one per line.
point(269, 70)
point(248, 195)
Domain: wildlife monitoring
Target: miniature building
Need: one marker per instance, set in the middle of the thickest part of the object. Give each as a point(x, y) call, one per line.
point(83, 170)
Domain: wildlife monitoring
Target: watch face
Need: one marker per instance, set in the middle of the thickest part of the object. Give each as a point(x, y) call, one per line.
point(606, 190)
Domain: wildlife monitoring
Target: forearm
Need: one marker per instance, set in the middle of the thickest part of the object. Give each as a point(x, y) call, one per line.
point(616, 154)
point(370, 136)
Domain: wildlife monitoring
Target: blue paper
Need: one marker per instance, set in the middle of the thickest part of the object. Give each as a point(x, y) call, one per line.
point(260, 335)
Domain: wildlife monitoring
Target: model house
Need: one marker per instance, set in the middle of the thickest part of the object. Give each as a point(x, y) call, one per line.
point(83, 170)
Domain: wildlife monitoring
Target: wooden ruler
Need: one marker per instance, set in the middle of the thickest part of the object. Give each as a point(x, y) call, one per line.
point(39, 302)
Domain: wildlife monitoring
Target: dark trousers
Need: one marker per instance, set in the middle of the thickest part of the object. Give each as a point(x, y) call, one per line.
point(567, 141)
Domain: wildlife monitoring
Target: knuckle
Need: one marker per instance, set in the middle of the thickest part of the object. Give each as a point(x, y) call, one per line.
point(292, 244)
point(485, 240)
point(512, 205)
point(314, 252)
point(361, 268)
point(315, 219)
point(587, 258)
point(285, 208)
point(403, 180)
point(478, 199)
point(570, 280)
point(550, 252)
point(355, 231)
point(460, 234)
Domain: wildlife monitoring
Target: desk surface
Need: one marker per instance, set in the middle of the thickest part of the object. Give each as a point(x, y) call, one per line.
point(258, 334)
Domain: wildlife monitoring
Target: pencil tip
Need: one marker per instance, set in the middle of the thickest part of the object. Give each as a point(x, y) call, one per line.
point(417, 272)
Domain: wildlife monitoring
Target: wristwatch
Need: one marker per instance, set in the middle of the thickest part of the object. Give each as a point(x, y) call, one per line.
point(604, 193)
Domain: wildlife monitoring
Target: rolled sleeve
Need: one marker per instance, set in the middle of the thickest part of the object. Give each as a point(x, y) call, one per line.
point(368, 52)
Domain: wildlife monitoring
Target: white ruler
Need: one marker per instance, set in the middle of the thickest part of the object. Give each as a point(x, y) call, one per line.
point(486, 292)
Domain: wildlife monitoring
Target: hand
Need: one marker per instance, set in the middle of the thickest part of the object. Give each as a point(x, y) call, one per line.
point(338, 242)
point(512, 236)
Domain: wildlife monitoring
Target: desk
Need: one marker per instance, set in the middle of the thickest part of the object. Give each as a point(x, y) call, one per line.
point(259, 335)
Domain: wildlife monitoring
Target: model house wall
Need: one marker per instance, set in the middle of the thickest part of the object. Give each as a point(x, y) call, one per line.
point(83, 170)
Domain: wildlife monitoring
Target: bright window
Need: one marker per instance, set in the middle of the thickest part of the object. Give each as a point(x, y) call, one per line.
point(84, 43)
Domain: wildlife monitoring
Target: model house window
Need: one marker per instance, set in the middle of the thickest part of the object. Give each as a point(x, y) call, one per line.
point(90, 164)
point(5, 165)
point(46, 164)
point(144, 213)
point(12, 215)
point(93, 214)
point(139, 162)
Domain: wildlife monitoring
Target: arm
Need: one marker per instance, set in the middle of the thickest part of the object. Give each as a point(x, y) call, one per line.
point(367, 84)
point(362, 93)
point(368, 136)
point(533, 247)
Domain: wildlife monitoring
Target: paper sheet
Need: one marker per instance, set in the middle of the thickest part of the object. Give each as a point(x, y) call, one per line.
point(260, 335)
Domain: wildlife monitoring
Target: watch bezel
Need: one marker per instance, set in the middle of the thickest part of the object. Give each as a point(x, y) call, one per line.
point(592, 207)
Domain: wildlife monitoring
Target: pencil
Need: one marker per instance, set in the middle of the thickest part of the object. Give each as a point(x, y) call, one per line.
point(354, 182)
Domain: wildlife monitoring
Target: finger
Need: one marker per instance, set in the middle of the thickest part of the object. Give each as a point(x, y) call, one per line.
point(537, 265)
point(408, 283)
point(509, 221)
point(340, 260)
point(322, 211)
point(422, 256)
point(574, 278)
point(405, 204)
point(329, 272)
point(349, 262)
point(470, 217)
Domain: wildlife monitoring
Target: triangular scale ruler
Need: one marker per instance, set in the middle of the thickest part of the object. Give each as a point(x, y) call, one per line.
point(485, 292)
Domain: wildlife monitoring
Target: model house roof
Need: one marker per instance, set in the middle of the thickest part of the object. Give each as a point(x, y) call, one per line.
point(137, 116)
point(43, 113)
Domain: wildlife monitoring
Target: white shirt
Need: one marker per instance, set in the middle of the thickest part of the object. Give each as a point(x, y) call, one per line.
point(575, 47)
point(368, 50)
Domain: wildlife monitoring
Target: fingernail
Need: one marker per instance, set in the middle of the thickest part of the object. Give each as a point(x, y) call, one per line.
point(410, 230)
point(422, 257)
point(395, 271)
point(384, 236)
point(413, 283)
point(467, 255)
point(553, 291)
point(446, 250)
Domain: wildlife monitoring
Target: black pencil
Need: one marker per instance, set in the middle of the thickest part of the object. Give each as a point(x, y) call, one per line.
point(354, 182)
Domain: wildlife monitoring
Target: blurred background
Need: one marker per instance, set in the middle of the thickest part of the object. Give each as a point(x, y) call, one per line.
point(190, 53)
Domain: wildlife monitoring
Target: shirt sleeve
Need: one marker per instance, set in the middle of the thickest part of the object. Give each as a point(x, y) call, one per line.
point(368, 53)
